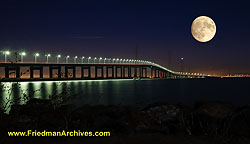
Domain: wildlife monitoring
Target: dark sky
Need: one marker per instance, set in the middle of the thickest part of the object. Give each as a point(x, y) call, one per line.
point(113, 28)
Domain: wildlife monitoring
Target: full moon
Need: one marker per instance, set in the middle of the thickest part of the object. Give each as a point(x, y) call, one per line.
point(203, 29)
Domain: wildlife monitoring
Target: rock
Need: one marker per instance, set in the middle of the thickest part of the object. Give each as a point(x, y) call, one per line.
point(103, 118)
point(215, 109)
point(240, 122)
point(5, 123)
point(160, 117)
point(208, 118)
point(32, 108)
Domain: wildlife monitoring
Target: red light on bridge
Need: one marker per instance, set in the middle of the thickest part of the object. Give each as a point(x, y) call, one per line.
point(160, 76)
point(153, 76)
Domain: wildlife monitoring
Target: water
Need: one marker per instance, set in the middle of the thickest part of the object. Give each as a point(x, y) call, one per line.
point(134, 92)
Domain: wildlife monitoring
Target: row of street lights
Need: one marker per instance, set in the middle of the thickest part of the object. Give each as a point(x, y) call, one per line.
point(94, 60)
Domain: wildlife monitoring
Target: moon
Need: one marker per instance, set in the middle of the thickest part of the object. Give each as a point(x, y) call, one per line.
point(203, 29)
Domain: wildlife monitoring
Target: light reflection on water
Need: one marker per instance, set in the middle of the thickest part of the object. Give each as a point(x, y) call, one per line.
point(88, 91)
point(133, 92)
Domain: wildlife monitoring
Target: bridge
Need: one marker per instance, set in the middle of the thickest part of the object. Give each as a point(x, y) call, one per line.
point(89, 71)
point(89, 68)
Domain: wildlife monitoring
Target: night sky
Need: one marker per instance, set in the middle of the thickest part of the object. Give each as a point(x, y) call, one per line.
point(114, 28)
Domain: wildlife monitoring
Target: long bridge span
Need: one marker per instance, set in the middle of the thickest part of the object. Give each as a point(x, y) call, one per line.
point(88, 71)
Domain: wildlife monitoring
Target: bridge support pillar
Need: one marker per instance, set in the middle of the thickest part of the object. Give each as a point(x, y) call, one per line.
point(144, 68)
point(41, 72)
point(59, 71)
point(107, 72)
point(66, 72)
point(140, 71)
point(115, 72)
point(31, 72)
point(135, 71)
point(129, 71)
point(155, 72)
point(6, 72)
point(151, 71)
point(95, 72)
point(74, 72)
point(89, 72)
point(82, 72)
point(101, 71)
point(18, 72)
point(112, 71)
point(123, 71)
point(50, 72)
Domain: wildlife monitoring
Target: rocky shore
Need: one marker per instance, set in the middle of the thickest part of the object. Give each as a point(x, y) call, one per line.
point(206, 122)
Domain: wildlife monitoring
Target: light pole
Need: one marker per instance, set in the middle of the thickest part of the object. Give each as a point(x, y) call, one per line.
point(67, 58)
point(22, 54)
point(36, 55)
point(6, 53)
point(100, 59)
point(57, 58)
point(94, 59)
point(47, 57)
point(89, 59)
point(83, 59)
point(104, 60)
point(75, 59)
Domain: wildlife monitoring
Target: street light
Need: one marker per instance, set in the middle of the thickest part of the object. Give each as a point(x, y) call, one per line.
point(5, 55)
point(113, 60)
point(83, 59)
point(104, 60)
point(89, 59)
point(75, 59)
point(57, 58)
point(36, 55)
point(100, 59)
point(22, 54)
point(67, 58)
point(47, 57)
point(95, 59)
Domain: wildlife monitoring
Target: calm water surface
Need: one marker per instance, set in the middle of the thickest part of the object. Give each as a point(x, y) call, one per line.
point(135, 92)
